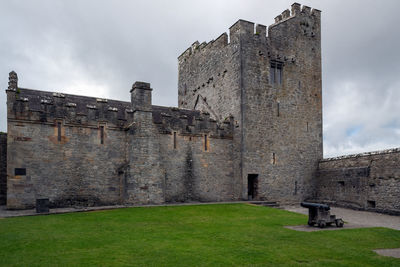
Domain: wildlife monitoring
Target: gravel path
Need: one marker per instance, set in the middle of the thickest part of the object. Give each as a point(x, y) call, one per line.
point(394, 252)
point(356, 217)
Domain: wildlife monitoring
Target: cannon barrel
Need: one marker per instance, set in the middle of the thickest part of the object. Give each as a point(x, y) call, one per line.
point(315, 205)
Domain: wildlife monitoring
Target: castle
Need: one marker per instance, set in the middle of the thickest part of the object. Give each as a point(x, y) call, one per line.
point(248, 126)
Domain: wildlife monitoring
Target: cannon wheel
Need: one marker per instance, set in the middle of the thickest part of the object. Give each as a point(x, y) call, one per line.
point(339, 223)
point(321, 224)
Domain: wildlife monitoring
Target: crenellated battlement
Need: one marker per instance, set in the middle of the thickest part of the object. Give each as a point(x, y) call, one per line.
point(196, 47)
point(46, 107)
point(190, 122)
point(49, 107)
point(364, 154)
point(221, 41)
point(296, 10)
point(248, 28)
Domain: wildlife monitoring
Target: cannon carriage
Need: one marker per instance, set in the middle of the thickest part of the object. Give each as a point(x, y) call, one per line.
point(320, 214)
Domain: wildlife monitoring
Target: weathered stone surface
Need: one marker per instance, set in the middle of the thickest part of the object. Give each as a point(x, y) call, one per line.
point(3, 168)
point(278, 127)
point(133, 164)
point(368, 181)
point(87, 151)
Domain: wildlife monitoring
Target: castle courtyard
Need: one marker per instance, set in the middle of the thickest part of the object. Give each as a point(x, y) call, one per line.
point(188, 235)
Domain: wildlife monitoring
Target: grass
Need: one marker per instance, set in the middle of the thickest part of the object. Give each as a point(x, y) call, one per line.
point(203, 235)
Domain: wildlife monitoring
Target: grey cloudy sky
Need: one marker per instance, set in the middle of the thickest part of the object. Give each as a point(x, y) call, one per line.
point(99, 48)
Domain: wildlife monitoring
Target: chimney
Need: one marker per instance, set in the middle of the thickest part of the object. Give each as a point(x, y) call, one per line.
point(12, 81)
point(141, 96)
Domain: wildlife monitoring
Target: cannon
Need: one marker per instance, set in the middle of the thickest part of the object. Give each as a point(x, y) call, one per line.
point(320, 214)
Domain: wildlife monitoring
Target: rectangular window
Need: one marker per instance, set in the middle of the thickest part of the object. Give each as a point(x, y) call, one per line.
point(174, 140)
point(272, 75)
point(279, 74)
point(205, 143)
point(59, 131)
point(20, 171)
point(102, 135)
point(275, 72)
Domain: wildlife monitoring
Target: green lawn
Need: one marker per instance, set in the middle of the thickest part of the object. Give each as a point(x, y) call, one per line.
point(203, 235)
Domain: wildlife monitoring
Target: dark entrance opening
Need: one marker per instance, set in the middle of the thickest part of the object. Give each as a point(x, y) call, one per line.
point(371, 204)
point(252, 186)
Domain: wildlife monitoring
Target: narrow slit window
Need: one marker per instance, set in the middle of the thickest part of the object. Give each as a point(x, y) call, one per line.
point(277, 109)
point(273, 158)
point(307, 126)
point(58, 131)
point(102, 135)
point(205, 143)
point(174, 140)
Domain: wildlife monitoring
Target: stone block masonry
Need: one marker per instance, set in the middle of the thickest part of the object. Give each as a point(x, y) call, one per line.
point(77, 150)
point(368, 181)
point(3, 168)
point(271, 86)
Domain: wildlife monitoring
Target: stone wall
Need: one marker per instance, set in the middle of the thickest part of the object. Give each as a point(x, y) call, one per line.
point(369, 181)
point(77, 150)
point(196, 155)
point(193, 173)
point(78, 170)
point(3, 168)
point(209, 81)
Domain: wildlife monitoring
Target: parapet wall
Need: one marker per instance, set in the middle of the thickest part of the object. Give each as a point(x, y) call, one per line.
point(46, 107)
point(367, 181)
point(35, 106)
point(190, 122)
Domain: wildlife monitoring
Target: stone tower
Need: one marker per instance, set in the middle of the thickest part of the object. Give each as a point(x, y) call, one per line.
point(271, 85)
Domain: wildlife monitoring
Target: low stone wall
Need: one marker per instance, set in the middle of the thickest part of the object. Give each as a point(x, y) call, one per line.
point(3, 168)
point(368, 181)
